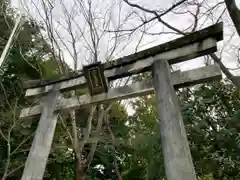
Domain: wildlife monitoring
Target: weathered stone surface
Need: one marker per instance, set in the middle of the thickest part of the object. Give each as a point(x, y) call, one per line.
point(177, 157)
point(183, 79)
point(214, 32)
point(176, 55)
point(38, 155)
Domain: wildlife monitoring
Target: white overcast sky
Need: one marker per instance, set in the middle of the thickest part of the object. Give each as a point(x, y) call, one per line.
point(179, 21)
point(101, 7)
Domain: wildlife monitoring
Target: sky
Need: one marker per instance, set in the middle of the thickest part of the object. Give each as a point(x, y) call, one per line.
point(179, 21)
point(109, 11)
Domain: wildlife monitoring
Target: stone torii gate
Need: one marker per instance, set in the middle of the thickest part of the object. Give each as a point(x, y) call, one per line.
point(177, 156)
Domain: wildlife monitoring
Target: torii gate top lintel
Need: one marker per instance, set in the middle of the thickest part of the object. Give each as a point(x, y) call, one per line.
point(215, 32)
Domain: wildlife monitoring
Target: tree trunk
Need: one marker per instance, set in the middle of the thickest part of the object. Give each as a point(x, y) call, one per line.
point(234, 13)
point(80, 170)
point(235, 79)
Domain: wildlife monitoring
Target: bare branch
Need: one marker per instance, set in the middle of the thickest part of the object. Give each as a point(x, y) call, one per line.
point(114, 150)
point(14, 170)
point(87, 132)
point(4, 137)
point(101, 116)
point(21, 143)
point(65, 128)
point(214, 57)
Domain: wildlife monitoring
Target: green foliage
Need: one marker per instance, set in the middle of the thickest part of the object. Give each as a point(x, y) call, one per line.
point(210, 116)
point(24, 62)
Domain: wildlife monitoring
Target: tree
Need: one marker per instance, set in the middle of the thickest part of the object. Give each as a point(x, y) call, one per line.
point(234, 13)
point(211, 116)
point(23, 62)
point(196, 12)
point(213, 129)
point(86, 38)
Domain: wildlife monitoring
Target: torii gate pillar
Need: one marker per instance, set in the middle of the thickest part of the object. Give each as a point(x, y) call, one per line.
point(176, 151)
